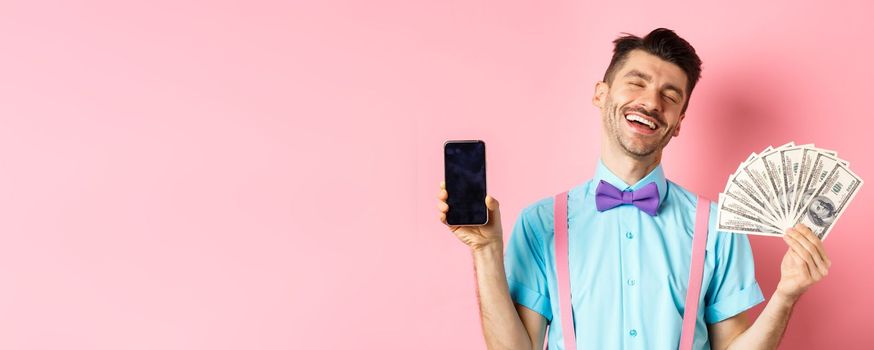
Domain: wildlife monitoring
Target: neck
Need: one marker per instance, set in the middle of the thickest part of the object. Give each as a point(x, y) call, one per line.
point(628, 167)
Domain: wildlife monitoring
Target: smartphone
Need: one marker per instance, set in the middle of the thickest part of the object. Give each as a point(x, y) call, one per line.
point(464, 165)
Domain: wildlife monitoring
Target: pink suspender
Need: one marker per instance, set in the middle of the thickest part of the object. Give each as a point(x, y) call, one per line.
point(564, 280)
point(699, 242)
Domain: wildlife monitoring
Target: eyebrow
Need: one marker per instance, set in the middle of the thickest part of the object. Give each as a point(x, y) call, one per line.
point(648, 78)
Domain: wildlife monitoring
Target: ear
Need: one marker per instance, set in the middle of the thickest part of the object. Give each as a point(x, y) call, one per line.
point(600, 96)
point(679, 124)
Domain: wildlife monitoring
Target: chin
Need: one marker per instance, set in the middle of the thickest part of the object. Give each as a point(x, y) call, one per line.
point(640, 153)
point(639, 149)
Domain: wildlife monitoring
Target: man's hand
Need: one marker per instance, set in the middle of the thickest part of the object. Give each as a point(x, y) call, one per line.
point(505, 325)
point(804, 264)
point(476, 237)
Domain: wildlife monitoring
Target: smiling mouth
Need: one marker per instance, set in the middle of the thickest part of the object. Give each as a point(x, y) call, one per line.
point(641, 124)
point(641, 120)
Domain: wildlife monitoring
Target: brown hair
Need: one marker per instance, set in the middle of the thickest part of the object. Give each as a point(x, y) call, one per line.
point(665, 44)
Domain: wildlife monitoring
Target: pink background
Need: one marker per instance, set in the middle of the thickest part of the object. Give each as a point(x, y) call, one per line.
point(262, 175)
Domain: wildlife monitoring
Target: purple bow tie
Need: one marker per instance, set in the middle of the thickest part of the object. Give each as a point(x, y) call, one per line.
point(646, 198)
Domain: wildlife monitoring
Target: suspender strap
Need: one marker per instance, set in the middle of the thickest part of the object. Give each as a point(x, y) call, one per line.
point(690, 315)
point(561, 265)
point(699, 243)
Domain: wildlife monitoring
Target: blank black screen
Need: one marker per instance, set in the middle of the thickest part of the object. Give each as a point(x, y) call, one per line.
point(465, 176)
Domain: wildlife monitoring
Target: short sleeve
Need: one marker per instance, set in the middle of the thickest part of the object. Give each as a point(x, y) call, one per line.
point(525, 266)
point(733, 287)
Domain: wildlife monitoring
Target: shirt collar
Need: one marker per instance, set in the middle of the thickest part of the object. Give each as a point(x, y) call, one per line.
point(657, 175)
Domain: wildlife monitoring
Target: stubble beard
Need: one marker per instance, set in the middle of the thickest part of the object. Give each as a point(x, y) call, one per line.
point(644, 149)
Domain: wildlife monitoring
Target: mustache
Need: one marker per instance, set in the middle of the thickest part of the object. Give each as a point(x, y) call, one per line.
point(652, 114)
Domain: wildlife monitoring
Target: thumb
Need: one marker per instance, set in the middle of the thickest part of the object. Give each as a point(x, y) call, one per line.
point(491, 203)
point(494, 213)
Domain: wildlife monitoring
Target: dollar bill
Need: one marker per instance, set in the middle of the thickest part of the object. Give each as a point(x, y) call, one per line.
point(781, 186)
point(791, 165)
point(747, 197)
point(742, 182)
point(808, 156)
point(733, 217)
point(773, 162)
point(752, 213)
point(756, 173)
point(822, 166)
point(829, 201)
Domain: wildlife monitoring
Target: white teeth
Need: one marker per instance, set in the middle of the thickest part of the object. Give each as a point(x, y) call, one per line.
point(637, 118)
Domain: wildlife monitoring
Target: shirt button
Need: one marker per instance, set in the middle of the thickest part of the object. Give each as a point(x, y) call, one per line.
point(633, 333)
point(629, 235)
point(631, 282)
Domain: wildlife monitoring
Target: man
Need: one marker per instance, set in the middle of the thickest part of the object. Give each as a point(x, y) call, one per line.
point(628, 267)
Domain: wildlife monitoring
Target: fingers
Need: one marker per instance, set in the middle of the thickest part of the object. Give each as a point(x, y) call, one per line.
point(441, 197)
point(814, 264)
point(443, 207)
point(806, 252)
point(452, 228)
point(798, 259)
point(813, 244)
point(491, 203)
point(815, 241)
point(441, 204)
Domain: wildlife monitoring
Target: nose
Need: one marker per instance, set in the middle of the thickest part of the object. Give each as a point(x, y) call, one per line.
point(651, 100)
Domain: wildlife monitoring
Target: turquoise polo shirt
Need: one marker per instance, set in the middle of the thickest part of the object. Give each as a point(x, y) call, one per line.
point(629, 271)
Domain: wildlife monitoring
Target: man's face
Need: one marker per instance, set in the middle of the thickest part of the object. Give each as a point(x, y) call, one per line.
point(642, 107)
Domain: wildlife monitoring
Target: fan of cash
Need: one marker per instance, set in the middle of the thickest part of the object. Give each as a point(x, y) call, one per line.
point(780, 187)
